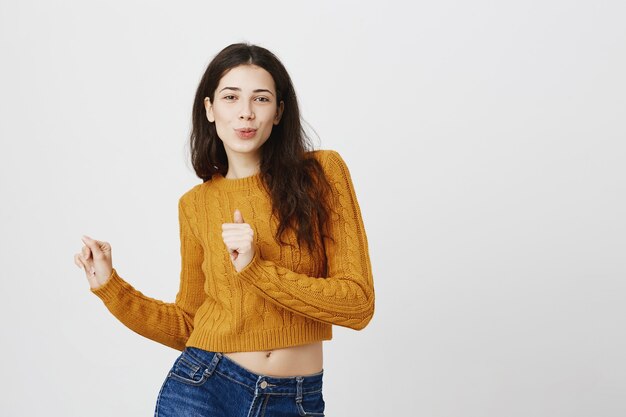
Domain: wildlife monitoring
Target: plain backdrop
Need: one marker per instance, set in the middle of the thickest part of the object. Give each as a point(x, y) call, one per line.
point(486, 143)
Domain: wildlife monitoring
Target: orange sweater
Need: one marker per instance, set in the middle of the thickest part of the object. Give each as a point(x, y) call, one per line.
point(279, 299)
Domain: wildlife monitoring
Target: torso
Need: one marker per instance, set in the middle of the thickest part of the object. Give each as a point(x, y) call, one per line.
point(292, 361)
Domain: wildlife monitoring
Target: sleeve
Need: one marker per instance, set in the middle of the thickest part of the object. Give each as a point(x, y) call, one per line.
point(346, 296)
point(167, 323)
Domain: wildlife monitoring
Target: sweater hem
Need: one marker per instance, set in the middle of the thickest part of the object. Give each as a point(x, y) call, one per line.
point(261, 340)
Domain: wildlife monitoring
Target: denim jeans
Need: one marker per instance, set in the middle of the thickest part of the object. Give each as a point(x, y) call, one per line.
point(209, 384)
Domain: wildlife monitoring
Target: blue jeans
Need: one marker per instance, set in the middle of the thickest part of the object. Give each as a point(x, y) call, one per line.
point(210, 384)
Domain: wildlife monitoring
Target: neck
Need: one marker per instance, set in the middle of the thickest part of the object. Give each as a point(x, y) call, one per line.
point(242, 165)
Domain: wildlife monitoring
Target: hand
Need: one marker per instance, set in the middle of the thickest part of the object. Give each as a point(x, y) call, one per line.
point(95, 258)
point(239, 240)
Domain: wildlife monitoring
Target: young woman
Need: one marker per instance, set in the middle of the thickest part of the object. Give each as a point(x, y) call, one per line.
point(273, 253)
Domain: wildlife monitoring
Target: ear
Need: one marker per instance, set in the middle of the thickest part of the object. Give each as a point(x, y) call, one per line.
point(209, 109)
point(279, 112)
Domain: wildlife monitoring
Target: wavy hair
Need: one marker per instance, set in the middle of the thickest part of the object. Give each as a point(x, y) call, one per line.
point(300, 200)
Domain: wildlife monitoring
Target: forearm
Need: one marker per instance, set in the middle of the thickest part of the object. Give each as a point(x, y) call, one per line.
point(166, 323)
point(343, 300)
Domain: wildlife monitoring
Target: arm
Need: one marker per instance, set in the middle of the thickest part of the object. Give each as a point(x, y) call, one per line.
point(167, 323)
point(346, 296)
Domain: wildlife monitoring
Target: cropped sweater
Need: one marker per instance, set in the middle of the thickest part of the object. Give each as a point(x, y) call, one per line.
point(279, 299)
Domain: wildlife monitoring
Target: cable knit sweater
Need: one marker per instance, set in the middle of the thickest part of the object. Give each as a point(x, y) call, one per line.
point(278, 300)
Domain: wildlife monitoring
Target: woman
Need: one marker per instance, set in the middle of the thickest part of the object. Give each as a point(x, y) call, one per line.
point(273, 253)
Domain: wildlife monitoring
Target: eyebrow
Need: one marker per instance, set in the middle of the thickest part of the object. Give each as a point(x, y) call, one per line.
point(258, 90)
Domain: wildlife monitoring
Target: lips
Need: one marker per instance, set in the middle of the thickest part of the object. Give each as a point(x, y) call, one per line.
point(246, 133)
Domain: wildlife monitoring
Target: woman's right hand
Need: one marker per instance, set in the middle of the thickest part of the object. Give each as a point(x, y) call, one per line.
point(95, 258)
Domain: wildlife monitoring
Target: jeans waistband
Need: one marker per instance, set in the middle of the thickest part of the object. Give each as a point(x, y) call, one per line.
point(293, 385)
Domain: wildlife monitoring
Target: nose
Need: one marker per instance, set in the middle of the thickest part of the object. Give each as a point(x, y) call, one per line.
point(246, 111)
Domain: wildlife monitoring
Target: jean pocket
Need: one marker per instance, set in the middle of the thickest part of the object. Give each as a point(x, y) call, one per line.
point(189, 370)
point(311, 404)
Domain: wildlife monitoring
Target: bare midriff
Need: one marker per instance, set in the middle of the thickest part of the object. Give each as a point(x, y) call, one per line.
point(299, 360)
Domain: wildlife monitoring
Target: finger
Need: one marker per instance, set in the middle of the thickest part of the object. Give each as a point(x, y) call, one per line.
point(244, 247)
point(90, 271)
point(93, 244)
point(235, 250)
point(241, 246)
point(238, 216)
point(87, 267)
point(237, 233)
point(87, 263)
point(232, 226)
point(232, 241)
point(77, 261)
point(86, 252)
point(231, 245)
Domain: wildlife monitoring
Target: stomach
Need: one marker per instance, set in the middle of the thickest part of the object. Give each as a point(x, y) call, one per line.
point(299, 360)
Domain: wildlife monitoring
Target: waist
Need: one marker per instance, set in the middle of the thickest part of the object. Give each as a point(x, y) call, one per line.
point(218, 362)
point(295, 360)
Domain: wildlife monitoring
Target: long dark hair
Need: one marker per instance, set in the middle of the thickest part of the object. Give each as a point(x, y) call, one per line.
point(300, 199)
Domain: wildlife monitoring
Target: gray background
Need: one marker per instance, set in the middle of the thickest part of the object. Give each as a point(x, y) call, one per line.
point(486, 144)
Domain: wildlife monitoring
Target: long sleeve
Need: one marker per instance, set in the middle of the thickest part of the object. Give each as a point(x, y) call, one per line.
point(168, 323)
point(346, 296)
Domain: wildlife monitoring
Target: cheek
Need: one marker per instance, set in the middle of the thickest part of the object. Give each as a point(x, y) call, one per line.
point(222, 131)
point(269, 116)
point(219, 113)
point(267, 131)
point(222, 119)
point(221, 123)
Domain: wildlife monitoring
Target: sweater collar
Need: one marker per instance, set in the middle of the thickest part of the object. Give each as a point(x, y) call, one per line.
point(232, 184)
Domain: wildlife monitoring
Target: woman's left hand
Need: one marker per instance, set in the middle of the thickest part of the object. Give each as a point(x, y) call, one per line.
point(239, 240)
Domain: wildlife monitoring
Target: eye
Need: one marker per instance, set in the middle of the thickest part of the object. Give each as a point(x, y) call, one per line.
point(265, 99)
point(226, 97)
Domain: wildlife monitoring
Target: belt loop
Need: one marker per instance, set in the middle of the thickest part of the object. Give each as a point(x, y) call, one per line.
point(299, 380)
point(214, 362)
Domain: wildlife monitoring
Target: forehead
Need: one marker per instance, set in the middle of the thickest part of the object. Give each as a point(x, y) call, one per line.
point(247, 77)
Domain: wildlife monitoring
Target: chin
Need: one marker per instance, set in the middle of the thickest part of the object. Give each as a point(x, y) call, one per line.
point(244, 148)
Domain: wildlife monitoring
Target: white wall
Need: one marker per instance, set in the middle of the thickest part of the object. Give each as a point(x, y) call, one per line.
point(486, 144)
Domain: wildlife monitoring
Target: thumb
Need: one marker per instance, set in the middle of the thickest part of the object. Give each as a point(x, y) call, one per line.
point(238, 216)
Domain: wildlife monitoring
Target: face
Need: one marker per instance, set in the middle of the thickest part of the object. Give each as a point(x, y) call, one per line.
point(244, 98)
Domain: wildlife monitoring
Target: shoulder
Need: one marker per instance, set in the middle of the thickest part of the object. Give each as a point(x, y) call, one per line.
point(330, 160)
point(333, 164)
point(190, 196)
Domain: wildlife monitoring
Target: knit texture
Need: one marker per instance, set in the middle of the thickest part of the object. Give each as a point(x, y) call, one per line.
point(279, 299)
